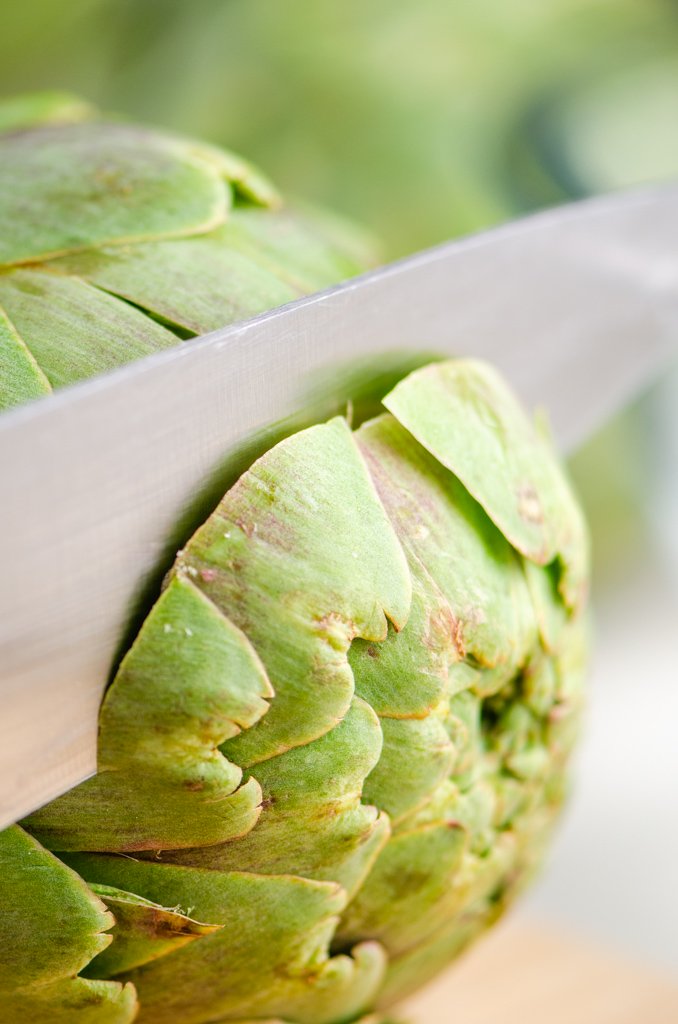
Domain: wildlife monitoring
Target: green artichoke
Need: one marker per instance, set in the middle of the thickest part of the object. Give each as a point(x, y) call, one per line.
point(336, 748)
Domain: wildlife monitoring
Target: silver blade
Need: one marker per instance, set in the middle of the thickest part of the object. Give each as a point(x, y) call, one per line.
point(102, 482)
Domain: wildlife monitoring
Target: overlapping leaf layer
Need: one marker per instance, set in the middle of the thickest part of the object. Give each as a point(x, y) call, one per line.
point(115, 240)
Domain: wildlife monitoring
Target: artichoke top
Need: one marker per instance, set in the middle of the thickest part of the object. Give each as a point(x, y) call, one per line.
point(116, 240)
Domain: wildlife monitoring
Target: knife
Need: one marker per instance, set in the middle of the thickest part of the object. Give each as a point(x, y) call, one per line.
point(103, 481)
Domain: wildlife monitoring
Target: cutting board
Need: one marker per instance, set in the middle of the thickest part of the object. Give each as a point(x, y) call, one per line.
point(526, 974)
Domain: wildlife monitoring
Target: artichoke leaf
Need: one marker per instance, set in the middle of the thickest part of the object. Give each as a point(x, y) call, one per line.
point(449, 880)
point(72, 330)
point(550, 611)
point(21, 379)
point(249, 183)
point(328, 772)
point(571, 662)
point(197, 284)
point(257, 260)
point(301, 555)
point(17, 113)
point(82, 185)
point(308, 250)
point(417, 756)
point(312, 821)
point(440, 860)
point(443, 528)
point(463, 724)
point(440, 808)
point(410, 881)
point(143, 931)
point(190, 680)
point(51, 926)
point(466, 416)
point(333, 846)
point(340, 847)
point(407, 675)
point(281, 923)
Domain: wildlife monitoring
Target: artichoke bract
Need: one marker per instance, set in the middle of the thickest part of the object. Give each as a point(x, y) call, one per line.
point(116, 240)
point(336, 749)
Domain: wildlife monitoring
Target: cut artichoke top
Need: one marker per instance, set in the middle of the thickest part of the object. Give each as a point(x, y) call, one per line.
point(117, 240)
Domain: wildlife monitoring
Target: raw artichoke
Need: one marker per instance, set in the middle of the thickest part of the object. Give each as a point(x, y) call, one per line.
point(336, 748)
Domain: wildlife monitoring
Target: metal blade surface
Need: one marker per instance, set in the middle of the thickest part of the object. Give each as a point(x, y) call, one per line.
point(103, 482)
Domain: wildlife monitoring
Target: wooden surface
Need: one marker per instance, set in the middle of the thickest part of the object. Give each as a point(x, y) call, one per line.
point(524, 974)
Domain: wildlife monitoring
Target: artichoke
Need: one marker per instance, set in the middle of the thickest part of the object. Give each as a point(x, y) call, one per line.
point(335, 750)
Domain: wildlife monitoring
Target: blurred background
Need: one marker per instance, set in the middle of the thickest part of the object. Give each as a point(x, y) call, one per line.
point(424, 121)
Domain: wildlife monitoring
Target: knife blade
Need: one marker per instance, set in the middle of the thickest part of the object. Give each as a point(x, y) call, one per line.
point(103, 481)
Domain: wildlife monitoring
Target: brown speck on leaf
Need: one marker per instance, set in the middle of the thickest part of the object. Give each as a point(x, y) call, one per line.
point(194, 786)
point(458, 637)
point(247, 528)
point(442, 623)
point(529, 504)
point(91, 997)
point(335, 629)
point(372, 652)
point(112, 179)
